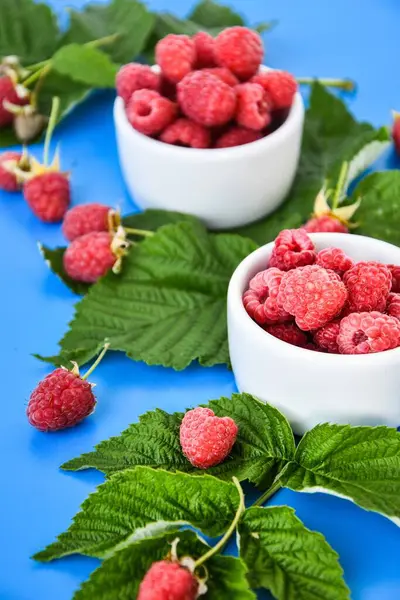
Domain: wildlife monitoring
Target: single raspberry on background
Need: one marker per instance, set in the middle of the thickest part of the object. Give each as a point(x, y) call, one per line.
point(288, 332)
point(84, 219)
point(393, 305)
point(167, 580)
point(293, 248)
point(206, 99)
point(396, 132)
point(260, 300)
point(133, 77)
point(8, 179)
point(240, 50)
point(237, 136)
point(89, 257)
point(326, 337)
point(325, 224)
point(313, 295)
point(280, 87)
point(395, 271)
point(176, 56)
point(334, 259)
point(187, 133)
point(253, 108)
point(204, 44)
point(206, 440)
point(368, 332)
point(369, 284)
point(223, 74)
point(9, 92)
point(48, 195)
point(148, 112)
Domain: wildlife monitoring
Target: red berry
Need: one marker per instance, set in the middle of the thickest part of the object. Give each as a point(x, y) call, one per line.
point(62, 399)
point(176, 56)
point(260, 300)
point(313, 295)
point(280, 87)
point(240, 50)
point(8, 91)
point(204, 44)
point(395, 270)
point(396, 132)
point(326, 337)
point(133, 77)
point(84, 219)
point(368, 332)
point(325, 224)
point(237, 136)
point(293, 248)
point(288, 332)
point(369, 284)
point(334, 259)
point(393, 305)
point(206, 440)
point(8, 180)
point(167, 580)
point(48, 196)
point(253, 108)
point(89, 257)
point(148, 112)
point(185, 132)
point(224, 75)
point(206, 99)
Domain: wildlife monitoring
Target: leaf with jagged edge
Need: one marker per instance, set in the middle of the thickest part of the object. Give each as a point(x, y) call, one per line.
point(54, 260)
point(86, 65)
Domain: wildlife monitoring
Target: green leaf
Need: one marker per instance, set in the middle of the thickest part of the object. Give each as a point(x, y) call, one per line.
point(28, 30)
point(331, 136)
point(288, 559)
point(120, 575)
point(361, 464)
point(168, 306)
point(152, 219)
point(264, 444)
point(70, 92)
point(141, 503)
point(8, 137)
point(211, 14)
point(54, 260)
point(85, 65)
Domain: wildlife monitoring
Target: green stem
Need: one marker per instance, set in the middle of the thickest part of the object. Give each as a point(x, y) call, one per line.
point(39, 74)
point(108, 39)
point(229, 532)
point(340, 184)
point(96, 362)
point(142, 232)
point(55, 107)
point(343, 84)
point(268, 494)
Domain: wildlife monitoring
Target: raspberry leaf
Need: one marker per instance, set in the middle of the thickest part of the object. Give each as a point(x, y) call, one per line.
point(141, 503)
point(210, 14)
point(54, 260)
point(288, 559)
point(69, 91)
point(86, 65)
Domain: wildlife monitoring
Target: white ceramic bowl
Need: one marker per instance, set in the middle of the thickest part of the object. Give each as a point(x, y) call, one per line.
point(225, 188)
point(312, 387)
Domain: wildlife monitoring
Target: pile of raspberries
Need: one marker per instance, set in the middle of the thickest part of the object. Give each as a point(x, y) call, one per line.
point(324, 301)
point(208, 92)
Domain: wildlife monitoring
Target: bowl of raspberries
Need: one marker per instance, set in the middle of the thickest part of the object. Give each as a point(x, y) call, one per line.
point(208, 130)
point(314, 328)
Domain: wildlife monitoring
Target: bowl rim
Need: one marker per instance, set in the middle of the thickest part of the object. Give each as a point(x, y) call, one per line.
point(235, 304)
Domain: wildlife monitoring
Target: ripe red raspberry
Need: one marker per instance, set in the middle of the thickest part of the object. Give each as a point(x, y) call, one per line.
point(260, 300)
point(84, 219)
point(334, 259)
point(293, 248)
point(240, 50)
point(313, 295)
point(187, 133)
point(148, 112)
point(326, 337)
point(133, 77)
point(204, 44)
point(367, 332)
point(8, 179)
point(206, 440)
point(253, 108)
point(48, 196)
point(369, 284)
point(325, 224)
point(176, 56)
point(89, 257)
point(396, 132)
point(288, 332)
point(62, 399)
point(167, 580)
point(8, 91)
point(395, 270)
point(280, 87)
point(393, 305)
point(206, 99)
point(223, 74)
point(237, 136)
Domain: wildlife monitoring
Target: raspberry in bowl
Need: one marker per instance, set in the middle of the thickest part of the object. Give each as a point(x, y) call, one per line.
point(209, 131)
point(319, 337)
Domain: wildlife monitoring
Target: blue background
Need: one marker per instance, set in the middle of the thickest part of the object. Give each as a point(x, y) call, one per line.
point(358, 39)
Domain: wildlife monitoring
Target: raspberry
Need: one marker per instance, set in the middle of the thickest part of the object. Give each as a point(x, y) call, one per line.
point(237, 136)
point(176, 56)
point(369, 284)
point(326, 337)
point(8, 180)
point(206, 99)
point(280, 87)
point(260, 299)
point(240, 50)
point(185, 132)
point(325, 224)
point(149, 112)
point(293, 248)
point(133, 77)
point(288, 332)
point(84, 219)
point(224, 75)
point(253, 108)
point(167, 580)
point(8, 91)
point(395, 270)
point(334, 259)
point(206, 440)
point(204, 44)
point(368, 332)
point(89, 257)
point(313, 295)
point(48, 195)
point(396, 132)
point(393, 305)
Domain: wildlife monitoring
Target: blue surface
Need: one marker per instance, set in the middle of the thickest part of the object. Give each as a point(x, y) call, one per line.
point(358, 39)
